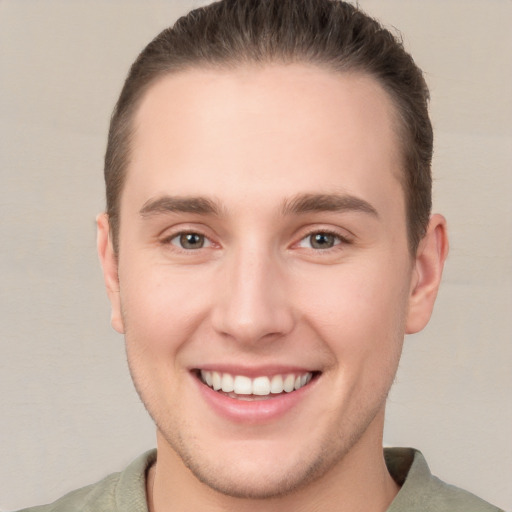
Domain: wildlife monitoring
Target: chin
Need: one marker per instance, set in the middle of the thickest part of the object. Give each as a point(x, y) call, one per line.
point(258, 470)
point(256, 481)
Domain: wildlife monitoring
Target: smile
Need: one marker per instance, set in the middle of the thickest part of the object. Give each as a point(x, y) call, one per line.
point(243, 387)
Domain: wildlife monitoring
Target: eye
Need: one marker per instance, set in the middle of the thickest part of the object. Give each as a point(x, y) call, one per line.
point(190, 241)
point(320, 240)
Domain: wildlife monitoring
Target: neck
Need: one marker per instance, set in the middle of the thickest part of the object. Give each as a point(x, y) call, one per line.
point(360, 481)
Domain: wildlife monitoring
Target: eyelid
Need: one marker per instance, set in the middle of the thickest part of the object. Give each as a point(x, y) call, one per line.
point(344, 237)
point(171, 232)
point(207, 241)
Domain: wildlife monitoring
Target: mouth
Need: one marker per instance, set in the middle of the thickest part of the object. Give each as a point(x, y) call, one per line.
point(242, 387)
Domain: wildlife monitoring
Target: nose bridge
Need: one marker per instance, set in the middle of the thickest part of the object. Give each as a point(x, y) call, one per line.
point(253, 304)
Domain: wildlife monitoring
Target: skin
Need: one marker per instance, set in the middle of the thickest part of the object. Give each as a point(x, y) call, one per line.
point(251, 143)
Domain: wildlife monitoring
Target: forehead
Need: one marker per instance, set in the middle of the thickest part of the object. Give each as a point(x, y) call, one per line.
point(280, 127)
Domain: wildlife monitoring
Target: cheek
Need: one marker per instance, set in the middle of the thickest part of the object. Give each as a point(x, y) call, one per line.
point(161, 307)
point(358, 311)
point(159, 313)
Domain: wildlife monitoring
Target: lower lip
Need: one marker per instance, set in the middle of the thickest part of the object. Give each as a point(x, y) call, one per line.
point(252, 411)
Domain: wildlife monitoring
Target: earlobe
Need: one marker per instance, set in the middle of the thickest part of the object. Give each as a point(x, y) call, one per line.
point(108, 260)
point(428, 269)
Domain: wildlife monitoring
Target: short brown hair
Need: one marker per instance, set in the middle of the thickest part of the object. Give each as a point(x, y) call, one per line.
point(328, 33)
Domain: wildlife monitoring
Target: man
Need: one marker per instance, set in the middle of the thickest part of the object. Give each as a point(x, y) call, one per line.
point(267, 245)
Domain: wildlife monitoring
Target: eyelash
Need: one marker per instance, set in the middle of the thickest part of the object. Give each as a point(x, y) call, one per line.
point(169, 240)
point(339, 240)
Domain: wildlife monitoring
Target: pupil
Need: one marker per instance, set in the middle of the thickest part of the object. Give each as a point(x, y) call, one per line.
point(191, 241)
point(322, 241)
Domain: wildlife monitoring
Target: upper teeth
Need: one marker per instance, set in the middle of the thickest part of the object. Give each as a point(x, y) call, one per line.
point(242, 385)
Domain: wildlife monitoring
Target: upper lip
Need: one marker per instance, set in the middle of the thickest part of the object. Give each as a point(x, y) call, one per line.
point(255, 371)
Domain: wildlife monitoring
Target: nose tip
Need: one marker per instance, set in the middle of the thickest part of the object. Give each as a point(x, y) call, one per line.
point(253, 306)
point(254, 326)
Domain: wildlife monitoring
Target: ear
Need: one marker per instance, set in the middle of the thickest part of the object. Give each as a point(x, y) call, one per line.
point(108, 260)
point(427, 272)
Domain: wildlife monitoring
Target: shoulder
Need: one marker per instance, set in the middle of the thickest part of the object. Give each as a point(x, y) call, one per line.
point(421, 491)
point(447, 497)
point(121, 491)
point(84, 499)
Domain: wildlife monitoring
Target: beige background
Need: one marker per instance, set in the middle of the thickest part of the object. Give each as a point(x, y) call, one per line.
point(69, 413)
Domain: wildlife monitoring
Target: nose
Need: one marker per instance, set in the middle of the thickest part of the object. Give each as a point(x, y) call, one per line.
point(252, 304)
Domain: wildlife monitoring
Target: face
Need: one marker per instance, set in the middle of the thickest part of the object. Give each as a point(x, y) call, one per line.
point(264, 282)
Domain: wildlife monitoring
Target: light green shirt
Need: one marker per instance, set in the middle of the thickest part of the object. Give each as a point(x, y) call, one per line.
point(420, 490)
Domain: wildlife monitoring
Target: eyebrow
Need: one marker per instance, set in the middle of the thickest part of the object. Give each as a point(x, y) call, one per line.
point(305, 203)
point(302, 203)
point(180, 204)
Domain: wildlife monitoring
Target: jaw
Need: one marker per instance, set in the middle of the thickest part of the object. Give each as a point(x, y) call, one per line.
point(252, 470)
